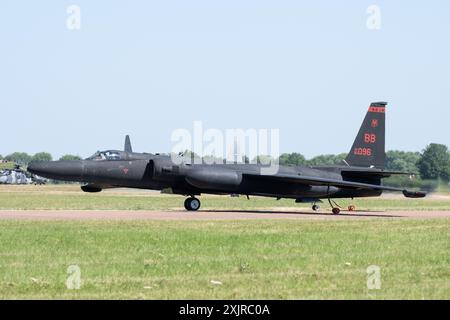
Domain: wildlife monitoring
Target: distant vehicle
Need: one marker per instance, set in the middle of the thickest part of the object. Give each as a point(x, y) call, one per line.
point(14, 176)
point(38, 180)
point(19, 176)
point(360, 175)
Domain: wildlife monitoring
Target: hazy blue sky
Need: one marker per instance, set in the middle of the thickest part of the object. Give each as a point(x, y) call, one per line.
point(148, 67)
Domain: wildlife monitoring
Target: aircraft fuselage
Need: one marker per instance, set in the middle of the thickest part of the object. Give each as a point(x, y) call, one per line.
point(159, 172)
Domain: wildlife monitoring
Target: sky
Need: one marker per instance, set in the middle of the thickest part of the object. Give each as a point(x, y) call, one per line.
point(147, 68)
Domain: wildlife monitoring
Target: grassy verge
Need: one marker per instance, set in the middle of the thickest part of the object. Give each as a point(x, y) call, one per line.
point(252, 259)
point(71, 197)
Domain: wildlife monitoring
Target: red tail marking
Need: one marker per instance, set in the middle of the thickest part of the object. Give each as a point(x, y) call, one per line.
point(377, 109)
point(367, 152)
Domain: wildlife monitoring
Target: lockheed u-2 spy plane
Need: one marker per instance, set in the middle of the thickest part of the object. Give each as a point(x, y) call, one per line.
point(360, 174)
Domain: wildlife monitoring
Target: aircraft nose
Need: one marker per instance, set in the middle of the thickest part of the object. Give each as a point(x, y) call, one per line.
point(60, 170)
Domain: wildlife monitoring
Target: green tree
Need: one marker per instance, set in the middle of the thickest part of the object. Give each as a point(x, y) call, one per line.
point(22, 158)
point(1, 157)
point(42, 156)
point(327, 159)
point(402, 161)
point(69, 157)
point(264, 159)
point(292, 159)
point(435, 162)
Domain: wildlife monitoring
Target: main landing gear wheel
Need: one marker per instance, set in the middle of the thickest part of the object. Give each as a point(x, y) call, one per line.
point(192, 204)
point(315, 207)
point(336, 210)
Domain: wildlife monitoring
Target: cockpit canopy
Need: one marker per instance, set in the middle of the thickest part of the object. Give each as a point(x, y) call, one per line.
point(106, 155)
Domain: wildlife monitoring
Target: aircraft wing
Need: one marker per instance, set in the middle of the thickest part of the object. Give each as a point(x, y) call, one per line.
point(316, 181)
point(374, 173)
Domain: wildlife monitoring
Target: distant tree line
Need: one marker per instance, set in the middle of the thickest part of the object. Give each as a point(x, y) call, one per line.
point(433, 163)
point(24, 158)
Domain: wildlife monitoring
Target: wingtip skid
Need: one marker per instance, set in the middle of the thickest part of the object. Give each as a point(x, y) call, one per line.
point(414, 194)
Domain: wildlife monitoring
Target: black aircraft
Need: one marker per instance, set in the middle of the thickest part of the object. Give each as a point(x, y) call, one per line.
point(360, 174)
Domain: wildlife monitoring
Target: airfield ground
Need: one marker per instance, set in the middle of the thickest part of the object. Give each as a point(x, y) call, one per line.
point(70, 197)
point(139, 244)
point(282, 214)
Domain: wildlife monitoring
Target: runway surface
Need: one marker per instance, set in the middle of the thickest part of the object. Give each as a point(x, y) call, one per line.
point(211, 215)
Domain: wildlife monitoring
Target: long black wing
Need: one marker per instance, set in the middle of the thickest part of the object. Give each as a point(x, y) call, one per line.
point(316, 181)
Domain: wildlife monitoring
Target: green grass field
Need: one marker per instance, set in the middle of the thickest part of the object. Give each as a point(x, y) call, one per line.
point(298, 259)
point(263, 259)
point(62, 197)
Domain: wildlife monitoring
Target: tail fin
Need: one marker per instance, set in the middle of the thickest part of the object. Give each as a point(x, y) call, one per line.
point(127, 147)
point(368, 148)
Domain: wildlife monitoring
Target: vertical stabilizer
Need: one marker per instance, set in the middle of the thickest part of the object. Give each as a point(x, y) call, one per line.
point(368, 148)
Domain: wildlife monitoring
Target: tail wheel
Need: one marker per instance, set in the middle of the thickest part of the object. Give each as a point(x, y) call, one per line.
point(335, 207)
point(315, 207)
point(192, 204)
point(351, 208)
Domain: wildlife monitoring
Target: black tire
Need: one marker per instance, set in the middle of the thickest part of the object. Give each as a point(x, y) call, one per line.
point(192, 204)
point(315, 207)
point(336, 210)
point(187, 204)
